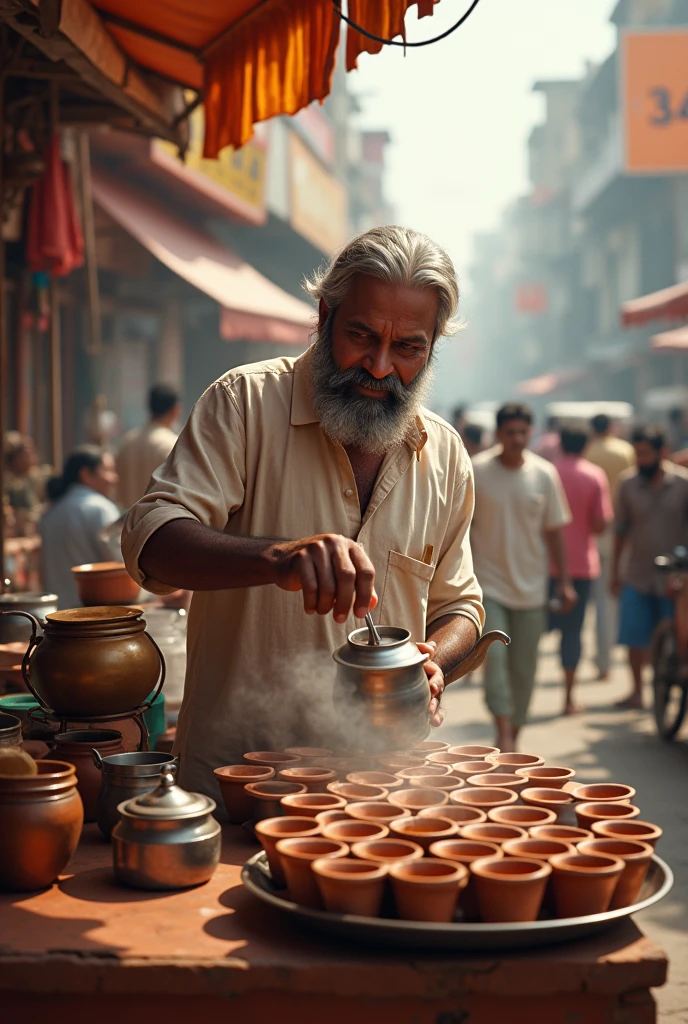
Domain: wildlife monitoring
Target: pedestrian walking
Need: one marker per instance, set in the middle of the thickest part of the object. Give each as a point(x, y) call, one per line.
point(587, 492)
point(81, 506)
point(472, 438)
point(520, 513)
point(143, 450)
point(614, 456)
point(651, 518)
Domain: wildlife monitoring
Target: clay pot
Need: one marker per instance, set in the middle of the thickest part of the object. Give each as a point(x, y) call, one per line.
point(536, 849)
point(567, 833)
point(461, 815)
point(345, 765)
point(352, 831)
point(424, 771)
point(473, 752)
point(423, 831)
point(350, 886)
point(428, 889)
point(465, 851)
point(232, 779)
point(557, 800)
point(522, 817)
point(316, 780)
point(466, 769)
point(418, 797)
point(357, 792)
point(603, 793)
point(636, 858)
point(329, 817)
point(426, 747)
point(382, 811)
point(510, 761)
point(503, 780)
point(588, 814)
point(266, 798)
point(296, 857)
point(307, 805)
point(395, 762)
point(584, 883)
point(489, 832)
point(640, 831)
point(273, 759)
point(309, 755)
point(105, 583)
point(386, 851)
point(486, 798)
point(511, 888)
point(93, 661)
point(271, 830)
point(384, 779)
point(551, 777)
point(40, 823)
point(75, 747)
point(442, 757)
point(441, 783)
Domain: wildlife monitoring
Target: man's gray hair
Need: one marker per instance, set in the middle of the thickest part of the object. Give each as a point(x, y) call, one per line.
point(396, 255)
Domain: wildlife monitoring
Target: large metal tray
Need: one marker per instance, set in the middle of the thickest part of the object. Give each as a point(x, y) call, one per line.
point(256, 877)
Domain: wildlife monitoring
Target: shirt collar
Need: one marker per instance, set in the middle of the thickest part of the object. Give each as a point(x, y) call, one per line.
point(302, 411)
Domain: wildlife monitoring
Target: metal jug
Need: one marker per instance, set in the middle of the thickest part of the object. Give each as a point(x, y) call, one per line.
point(167, 838)
point(381, 691)
point(125, 776)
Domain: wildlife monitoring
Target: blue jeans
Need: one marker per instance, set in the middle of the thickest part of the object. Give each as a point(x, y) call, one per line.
point(639, 615)
point(571, 624)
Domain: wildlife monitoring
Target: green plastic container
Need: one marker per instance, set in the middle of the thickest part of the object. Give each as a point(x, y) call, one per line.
point(20, 704)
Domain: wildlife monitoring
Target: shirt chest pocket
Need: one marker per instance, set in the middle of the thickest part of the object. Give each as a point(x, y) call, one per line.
point(404, 595)
point(531, 503)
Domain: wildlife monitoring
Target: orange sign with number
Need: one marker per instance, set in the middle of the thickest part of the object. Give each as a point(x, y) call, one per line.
point(654, 87)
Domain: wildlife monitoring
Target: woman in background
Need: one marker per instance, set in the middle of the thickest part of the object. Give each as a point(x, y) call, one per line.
point(81, 506)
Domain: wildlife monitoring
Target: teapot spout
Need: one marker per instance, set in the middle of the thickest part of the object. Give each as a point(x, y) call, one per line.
point(476, 656)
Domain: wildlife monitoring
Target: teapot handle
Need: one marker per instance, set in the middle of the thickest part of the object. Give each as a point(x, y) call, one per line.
point(33, 644)
point(476, 656)
point(97, 758)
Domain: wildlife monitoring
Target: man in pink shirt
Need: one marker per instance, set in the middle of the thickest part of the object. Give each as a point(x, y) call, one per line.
point(587, 490)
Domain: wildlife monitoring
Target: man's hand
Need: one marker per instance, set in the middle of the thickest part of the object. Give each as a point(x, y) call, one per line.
point(568, 595)
point(331, 570)
point(436, 683)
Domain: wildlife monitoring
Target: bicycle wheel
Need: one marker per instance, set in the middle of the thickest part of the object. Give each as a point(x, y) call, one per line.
point(670, 694)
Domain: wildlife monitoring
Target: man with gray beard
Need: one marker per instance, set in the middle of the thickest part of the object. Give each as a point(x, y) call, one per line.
point(322, 474)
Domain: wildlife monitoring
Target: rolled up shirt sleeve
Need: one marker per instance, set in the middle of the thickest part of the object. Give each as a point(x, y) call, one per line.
point(454, 589)
point(203, 478)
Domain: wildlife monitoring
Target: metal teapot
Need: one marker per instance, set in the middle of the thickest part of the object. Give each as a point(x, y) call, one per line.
point(381, 692)
point(167, 838)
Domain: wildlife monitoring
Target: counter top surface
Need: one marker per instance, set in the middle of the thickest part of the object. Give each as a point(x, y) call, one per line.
point(87, 934)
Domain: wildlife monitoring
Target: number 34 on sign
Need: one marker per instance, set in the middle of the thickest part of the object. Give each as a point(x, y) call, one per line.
point(654, 91)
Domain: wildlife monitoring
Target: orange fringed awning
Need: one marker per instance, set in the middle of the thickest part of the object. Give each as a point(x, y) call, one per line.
point(254, 59)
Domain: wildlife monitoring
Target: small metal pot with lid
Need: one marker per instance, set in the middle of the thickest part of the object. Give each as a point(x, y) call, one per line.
point(381, 692)
point(125, 776)
point(167, 838)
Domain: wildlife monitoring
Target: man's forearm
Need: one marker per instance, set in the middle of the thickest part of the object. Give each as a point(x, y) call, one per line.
point(557, 551)
point(190, 556)
point(455, 636)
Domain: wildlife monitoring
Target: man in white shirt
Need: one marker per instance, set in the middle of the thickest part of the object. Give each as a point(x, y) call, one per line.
point(520, 510)
point(142, 451)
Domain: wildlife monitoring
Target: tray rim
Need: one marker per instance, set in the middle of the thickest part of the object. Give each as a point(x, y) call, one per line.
point(396, 927)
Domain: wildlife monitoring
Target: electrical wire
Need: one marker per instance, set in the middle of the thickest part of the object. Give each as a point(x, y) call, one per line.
point(400, 42)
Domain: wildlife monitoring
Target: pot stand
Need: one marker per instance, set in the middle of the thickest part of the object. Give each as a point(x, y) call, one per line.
point(42, 715)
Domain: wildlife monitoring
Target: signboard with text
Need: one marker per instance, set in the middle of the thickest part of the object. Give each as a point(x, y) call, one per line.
point(654, 97)
point(318, 200)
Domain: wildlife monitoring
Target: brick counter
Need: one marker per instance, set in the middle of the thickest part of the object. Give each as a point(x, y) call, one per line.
point(89, 952)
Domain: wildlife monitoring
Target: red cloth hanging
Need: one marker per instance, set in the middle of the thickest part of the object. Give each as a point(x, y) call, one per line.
point(54, 241)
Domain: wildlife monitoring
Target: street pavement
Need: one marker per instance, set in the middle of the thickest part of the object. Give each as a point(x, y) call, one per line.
point(604, 744)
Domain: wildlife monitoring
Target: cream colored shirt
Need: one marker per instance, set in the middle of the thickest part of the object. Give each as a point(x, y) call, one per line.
point(613, 455)
point(252, 460)
point(140, 453)
point(513, 509)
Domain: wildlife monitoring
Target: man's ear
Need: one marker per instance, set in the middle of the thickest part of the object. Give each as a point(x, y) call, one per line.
point(323, 313)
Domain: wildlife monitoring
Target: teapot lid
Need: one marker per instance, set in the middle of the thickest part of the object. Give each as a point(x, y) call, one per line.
point(168, 800)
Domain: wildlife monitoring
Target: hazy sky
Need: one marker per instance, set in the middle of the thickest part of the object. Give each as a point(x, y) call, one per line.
point(460, 111)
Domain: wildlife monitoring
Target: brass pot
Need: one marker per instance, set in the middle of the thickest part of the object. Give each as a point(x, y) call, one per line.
point(92, 661)
point(40, 824)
